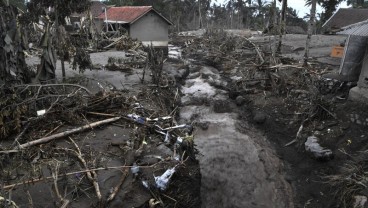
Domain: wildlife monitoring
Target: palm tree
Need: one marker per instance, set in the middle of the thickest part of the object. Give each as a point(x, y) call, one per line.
point(282, 24)
point(328, 6)
point(310, 30)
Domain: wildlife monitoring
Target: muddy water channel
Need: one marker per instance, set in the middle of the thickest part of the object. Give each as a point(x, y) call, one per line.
point(238, 166)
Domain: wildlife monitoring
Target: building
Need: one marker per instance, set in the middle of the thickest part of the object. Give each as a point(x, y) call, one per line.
point(344, 17)
point(143, 23)
point(355, 60)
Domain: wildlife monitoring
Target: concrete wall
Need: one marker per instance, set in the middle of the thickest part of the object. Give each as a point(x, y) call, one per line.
point(360, 92)
point(353, 55)
point(363, 79)
point(151, 28)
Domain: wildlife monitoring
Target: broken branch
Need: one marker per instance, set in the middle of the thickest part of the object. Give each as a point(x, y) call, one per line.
point(67, 133)
point(118, 186)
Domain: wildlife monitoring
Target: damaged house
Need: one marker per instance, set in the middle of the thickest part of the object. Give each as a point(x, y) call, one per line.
point(354, 63)
point(143, 23)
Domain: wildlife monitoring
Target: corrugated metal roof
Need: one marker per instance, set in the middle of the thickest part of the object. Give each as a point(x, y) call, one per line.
point(357, 29)
point(128, 14)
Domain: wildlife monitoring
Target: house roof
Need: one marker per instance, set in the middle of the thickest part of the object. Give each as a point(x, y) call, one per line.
point(346, 16)
point(358, 29)
point(129, 14)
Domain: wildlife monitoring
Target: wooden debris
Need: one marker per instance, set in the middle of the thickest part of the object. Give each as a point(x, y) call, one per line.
point(67, 133)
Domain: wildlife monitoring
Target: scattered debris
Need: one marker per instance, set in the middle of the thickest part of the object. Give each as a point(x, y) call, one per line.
point(61, 145)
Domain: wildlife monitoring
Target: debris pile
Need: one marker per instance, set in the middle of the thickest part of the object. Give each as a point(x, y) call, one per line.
point(95, 150)
point(219, 49)
point(126, 43)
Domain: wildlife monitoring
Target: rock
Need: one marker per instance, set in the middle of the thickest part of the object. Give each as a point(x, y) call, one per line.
point(203, 125)
point(259, 117)
point(240, 100)
point(165, 151)
point(221, 106)
point(233, 94)
point(318, 152)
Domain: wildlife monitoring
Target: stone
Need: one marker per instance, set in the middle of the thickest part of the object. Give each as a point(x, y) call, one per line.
point(165, 151)
point(221, 106)
point(240, 100)
point(203, 125)
point(259, 117)
point(358, 94)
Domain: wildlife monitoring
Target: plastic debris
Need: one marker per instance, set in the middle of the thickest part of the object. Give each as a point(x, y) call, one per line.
point(134, 169)
point(312, 146)
point(360, 201)
point(41, 112)
point(179, 140)
point(145, 184)
point(163, 180)
point(137, 118)
point(167, 137)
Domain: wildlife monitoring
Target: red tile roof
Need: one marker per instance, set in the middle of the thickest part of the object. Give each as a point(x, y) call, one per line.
point(128, 14)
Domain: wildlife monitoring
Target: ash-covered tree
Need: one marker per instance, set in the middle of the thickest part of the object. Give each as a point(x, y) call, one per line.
point(13, 68)
point(357, 3)
point(21, 4)
point(53, 13)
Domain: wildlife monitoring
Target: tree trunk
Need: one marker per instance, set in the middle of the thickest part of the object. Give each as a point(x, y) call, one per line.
point(310, 31)
point(63, 67)
point(282, 25)
point(200, 14)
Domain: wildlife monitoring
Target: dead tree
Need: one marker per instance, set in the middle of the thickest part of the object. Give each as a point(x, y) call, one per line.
point(310, 31)
point(155, 61)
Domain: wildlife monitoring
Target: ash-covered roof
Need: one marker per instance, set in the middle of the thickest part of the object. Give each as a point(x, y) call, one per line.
point(346, 16)
point(128, 14)
point(358, 29)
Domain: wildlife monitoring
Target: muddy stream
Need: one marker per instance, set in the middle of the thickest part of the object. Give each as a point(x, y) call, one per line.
point(238, 167)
